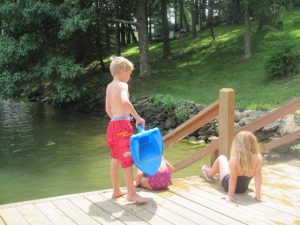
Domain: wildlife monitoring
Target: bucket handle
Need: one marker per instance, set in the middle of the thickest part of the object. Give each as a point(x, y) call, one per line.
point(140, 128)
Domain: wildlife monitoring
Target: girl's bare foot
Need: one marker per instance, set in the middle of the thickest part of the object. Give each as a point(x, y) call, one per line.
point(117, 194)
point(137, 198)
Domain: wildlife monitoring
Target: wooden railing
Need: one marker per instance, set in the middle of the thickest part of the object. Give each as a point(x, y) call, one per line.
point(226, 128)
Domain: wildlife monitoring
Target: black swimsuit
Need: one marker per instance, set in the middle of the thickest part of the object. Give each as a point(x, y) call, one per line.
point(242, 183)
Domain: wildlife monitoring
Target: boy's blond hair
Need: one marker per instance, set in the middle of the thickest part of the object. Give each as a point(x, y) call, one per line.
point(245, 150)
point(119, 63)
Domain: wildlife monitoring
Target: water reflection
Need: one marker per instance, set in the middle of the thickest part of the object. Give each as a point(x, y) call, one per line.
point(48, 152)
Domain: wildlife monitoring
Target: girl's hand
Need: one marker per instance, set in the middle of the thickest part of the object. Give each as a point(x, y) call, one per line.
point(229, 199)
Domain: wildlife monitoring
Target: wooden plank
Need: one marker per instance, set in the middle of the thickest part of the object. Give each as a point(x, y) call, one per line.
point(94, 211)
point(191, 125)
point(213, 146)
point(248, 211)
point(216, 204)
point(286, 139)
point(33, 215)
point(207, 215)
point(140, 211)
point(173, 209)
point(11, 216)
point(56, 216)
point(269, 209)
point(74, 212)
point(1, 221)
point(114, 210)
point(226, 120)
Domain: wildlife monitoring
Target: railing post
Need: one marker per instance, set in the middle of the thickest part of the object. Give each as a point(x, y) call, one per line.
point(226, 121)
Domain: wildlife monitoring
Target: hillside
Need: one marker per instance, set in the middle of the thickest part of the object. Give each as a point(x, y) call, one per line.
point(199, 68)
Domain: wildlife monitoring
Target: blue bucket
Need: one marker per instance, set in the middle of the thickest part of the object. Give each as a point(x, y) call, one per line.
point(146, 149)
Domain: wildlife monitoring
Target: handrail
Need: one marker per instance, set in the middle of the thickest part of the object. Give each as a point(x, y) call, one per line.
point(280, 141)
point(260, 122)
point(191, 125)
point(253, 126)
point(213, 146)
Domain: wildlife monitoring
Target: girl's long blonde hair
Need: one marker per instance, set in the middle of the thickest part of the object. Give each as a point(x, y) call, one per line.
point(245, 150)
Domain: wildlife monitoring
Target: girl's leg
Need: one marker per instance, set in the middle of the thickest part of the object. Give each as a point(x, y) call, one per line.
point(114, 175)
point(220, 166)
point(145, 184)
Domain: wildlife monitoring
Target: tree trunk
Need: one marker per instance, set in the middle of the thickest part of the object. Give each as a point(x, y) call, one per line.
point(98, 37)
point(197, 11)
point(211, 19)
point(187, 27)
point(107, 33)
point(193, 14)
point(118, 42)
point(123, 34)
point(150, 21)
point(175, 16)
point(247, 36)
point(165, 33)
point(143, 38)
point(133, 37)
point(128, 34)
point(180, 14)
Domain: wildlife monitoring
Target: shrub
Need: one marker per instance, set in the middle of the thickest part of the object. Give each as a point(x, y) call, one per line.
point(282, 64)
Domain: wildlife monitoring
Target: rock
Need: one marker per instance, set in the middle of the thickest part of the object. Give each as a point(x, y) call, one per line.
point(287, 125)
point(246, 120)
point(271, 127)
point(238, 116)
point(170, 123)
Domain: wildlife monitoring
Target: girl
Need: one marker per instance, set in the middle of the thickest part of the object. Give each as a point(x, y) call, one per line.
point(244, 164)
point(159, 181)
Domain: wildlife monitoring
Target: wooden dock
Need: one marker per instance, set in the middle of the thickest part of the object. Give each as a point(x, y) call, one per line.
point(189, 201)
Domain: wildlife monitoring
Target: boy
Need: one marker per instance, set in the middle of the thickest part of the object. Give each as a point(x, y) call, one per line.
point(119, 109)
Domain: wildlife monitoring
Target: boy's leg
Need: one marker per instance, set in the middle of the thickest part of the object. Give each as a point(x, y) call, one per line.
point(114, 175)
point(132, 196)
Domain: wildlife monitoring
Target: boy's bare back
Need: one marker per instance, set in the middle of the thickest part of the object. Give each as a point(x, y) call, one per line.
point(117, 94)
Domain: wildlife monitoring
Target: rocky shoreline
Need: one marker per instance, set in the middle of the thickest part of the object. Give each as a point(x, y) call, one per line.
point(167, 114)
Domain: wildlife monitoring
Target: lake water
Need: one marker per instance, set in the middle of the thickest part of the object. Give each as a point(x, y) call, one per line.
point(48, 152)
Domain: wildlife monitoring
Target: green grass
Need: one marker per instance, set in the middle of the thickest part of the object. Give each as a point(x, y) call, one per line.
point(199, 68)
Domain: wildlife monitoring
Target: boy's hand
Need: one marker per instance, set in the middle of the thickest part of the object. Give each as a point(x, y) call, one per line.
point(139, 121)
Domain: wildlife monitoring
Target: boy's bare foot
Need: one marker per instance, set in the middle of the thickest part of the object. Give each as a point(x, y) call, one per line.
point(118, 194)
point(137, 199)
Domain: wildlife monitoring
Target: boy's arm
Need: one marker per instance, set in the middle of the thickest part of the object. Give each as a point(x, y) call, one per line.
point(139, 176)
point(107, 106)
point(128, 106)
point(258, 179)
point(232, 180)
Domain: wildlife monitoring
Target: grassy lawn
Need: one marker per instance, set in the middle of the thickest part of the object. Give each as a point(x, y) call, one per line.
point(199, 68)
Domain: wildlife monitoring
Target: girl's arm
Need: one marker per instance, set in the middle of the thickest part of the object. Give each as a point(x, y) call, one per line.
point(258, 179)
point(232, 180)
point(171, 168)
point(139, 176)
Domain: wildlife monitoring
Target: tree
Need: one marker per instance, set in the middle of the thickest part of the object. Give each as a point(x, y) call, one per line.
point(194, 17)
point(165, 33)
point(44, 43)
point(247, 36)
point(143, 38)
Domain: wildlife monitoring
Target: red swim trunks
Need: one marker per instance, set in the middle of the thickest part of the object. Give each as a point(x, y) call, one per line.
point(118, 140)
